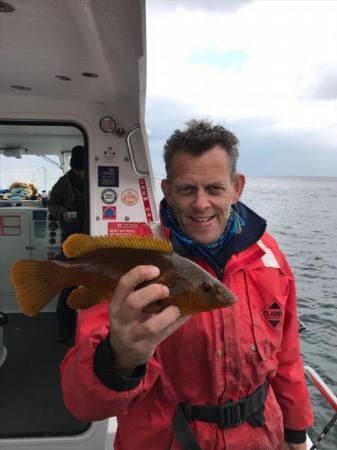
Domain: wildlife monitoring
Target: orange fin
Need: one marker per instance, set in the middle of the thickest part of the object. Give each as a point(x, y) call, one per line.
point(35, 284)
point(79, 244)
point(83, 298)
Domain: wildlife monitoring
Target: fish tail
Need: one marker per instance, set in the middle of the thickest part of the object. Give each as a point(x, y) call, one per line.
point(36, 283)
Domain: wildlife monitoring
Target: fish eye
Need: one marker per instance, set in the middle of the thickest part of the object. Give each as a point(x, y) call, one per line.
point(207, 287)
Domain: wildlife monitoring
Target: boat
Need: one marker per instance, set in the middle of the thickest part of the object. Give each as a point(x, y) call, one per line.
point(72, 73)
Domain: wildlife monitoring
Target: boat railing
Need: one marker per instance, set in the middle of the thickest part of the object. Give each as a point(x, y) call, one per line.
point(130, 133)
point(329, 396)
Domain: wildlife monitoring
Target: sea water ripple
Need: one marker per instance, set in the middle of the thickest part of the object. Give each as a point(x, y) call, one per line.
point(301, 214)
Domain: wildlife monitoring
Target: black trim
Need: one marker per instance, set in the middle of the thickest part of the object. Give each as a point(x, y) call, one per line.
point(230, 414)
point(226, 416)
point(295, 436)
point(107, 373)
point(3, 319)
point(184, 434)
point(253, 230)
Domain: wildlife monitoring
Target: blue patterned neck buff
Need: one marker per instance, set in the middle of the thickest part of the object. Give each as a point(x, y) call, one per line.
point(233, 227)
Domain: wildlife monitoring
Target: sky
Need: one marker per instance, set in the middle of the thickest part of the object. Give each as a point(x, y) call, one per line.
point(264, 69)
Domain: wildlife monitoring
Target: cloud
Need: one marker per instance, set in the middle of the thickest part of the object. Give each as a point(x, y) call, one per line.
point(163, 116)
point(282, 42)
point(270, 65)
point(215, 6)
point(265, 150)
point(324, 87)
point(269, 151)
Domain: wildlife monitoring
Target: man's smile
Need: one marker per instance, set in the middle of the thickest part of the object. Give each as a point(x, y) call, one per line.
point(201, 222)
point(201, 219)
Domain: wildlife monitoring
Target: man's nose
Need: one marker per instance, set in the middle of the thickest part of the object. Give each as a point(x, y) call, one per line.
point(201, 200)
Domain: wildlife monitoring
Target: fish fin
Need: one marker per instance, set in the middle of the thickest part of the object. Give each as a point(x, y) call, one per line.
point(83, 298)
point(79, 244)
point(35, 284)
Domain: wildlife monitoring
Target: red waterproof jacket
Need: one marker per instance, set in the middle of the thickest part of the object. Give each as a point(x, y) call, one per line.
point(216, 356)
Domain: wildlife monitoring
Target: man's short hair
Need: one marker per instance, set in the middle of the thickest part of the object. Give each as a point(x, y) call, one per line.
point(197, 138)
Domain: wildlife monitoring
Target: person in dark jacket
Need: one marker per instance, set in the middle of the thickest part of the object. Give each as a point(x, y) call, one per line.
point(67, 204)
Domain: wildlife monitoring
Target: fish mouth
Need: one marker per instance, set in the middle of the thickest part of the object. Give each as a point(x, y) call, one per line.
point(226, 296)
point(230, 299)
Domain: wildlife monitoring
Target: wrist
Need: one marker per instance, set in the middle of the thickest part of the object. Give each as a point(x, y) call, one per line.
point(104, 368)
point(121, 363)
point(121, 369)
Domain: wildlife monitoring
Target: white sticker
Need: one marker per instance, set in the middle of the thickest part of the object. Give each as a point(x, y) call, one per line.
point(109, 154)
point(129, 197)
point(109, 196)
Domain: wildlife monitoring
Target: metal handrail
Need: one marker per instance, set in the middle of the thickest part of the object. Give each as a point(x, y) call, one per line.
point(327, 393)
point(130, 133)
point(330, 398)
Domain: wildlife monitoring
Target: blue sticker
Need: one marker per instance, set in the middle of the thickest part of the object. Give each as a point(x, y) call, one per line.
point(108, 176)
point(109, 213)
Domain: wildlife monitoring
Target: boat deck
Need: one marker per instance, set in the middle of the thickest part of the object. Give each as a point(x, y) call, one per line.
point(31, 398)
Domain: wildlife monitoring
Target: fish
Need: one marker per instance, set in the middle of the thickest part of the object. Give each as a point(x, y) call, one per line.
point(95, 265)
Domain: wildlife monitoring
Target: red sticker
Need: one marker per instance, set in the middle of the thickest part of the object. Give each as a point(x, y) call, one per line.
point(123, 228)
point(146, 201)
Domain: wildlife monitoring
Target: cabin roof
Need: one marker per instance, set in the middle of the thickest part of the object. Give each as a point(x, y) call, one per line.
point(42, 39)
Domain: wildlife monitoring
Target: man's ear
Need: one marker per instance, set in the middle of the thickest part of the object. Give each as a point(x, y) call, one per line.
point(239, 184)
point(165, 187)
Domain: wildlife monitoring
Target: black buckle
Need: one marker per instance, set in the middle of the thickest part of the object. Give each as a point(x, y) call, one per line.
point(231, 414)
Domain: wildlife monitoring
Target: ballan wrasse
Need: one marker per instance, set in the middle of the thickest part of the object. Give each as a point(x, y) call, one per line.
point(96, 263)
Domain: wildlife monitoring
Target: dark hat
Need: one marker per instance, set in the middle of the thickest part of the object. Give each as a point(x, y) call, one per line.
point(77, 157)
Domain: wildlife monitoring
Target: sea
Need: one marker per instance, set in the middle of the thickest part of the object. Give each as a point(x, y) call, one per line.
point(301, 213)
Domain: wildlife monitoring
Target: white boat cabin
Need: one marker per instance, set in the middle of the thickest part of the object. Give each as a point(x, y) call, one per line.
point(72, 73)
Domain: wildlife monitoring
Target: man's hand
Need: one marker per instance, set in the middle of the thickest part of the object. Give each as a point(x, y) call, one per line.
point(134, 335)
point(289, 446)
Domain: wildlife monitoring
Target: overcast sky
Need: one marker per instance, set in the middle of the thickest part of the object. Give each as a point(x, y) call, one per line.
point(267, 70)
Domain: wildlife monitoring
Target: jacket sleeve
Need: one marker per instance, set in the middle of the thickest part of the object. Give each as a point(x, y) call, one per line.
point(289, 383)
point(90, 397)
point(55, 202)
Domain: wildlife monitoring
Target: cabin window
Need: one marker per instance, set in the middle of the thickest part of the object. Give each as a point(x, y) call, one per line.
point(32, 158)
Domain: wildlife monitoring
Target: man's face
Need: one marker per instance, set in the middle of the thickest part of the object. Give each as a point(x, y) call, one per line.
point(201, 192)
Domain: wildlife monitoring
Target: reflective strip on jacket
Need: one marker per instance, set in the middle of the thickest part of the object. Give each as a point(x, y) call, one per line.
point(215, 357)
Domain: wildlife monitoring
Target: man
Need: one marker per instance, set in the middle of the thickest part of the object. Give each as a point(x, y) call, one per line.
point(67, 204)
point(226, 379)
